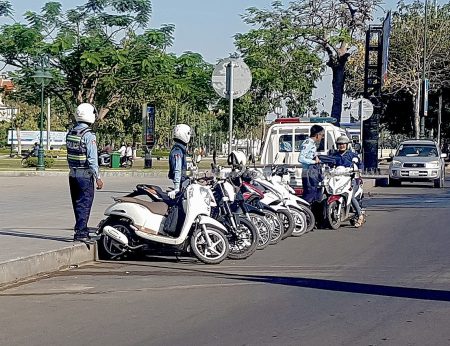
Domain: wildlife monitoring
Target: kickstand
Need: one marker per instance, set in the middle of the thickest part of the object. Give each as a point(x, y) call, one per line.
point(177, 254)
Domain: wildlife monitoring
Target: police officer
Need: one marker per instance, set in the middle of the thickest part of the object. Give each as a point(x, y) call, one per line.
point(83, 163)
point(177, 157)
point(308, 158)
point(344, 157)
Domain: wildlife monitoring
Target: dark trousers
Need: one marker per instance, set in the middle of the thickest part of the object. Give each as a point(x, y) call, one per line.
point(82, 193)
point(310, 191)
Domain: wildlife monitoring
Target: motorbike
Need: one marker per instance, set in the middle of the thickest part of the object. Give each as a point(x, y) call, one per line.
point(280, 179)
point(338, 191)
point(104, 160)
point(229, 209)
point(280, 201)
point(134, 224)
point(253, 196)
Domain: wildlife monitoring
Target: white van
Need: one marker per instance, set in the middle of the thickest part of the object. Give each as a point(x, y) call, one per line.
point(285, 136)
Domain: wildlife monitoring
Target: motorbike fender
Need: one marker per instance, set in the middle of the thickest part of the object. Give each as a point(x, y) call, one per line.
point(333, 198)
point(252, 209)
point(207, 220)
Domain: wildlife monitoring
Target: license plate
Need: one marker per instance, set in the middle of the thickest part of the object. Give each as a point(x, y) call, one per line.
point(413, 172)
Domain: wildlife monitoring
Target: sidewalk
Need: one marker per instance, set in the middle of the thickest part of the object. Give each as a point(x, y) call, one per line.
point(37, 219)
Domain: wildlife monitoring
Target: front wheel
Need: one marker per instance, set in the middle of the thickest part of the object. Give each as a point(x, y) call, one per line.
point(288, 222)
point(276, 225)
point(209, 244)
point(439, 183)
point(300, 222)
point(333, 215)
point(264, 230)
point(310, 218)
point(243, 243)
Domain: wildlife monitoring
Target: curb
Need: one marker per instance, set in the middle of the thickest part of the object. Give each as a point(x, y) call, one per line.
point(66, 174)
point(16, 270)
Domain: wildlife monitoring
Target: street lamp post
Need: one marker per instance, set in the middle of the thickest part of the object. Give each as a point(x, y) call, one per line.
point(42, 77)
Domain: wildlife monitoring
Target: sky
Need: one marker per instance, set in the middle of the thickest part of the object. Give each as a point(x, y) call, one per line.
point(203, 26)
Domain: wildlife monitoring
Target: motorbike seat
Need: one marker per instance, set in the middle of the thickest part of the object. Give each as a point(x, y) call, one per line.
point(159, 208)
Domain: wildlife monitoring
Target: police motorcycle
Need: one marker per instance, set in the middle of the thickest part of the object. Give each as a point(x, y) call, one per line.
point(247, 227)
point(134, 224)
point(280, 177)
point(278, 197)
point(338, 190)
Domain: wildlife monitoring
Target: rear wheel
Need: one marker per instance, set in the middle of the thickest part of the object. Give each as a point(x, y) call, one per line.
point(209, 244)
point(333, 215)
point(108, 248)
point(264, 230)
point(243, 243)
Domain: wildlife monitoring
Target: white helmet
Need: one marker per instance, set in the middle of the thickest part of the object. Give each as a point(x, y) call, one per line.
point(85, 113)
point(182, 132)
point(342, 140)
point(237, 158)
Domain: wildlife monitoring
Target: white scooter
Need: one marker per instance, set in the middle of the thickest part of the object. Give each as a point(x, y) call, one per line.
point(135, 224)
point(275, 193)
point(338, 193)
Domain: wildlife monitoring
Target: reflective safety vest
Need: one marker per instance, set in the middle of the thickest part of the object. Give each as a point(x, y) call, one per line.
point(76, 148)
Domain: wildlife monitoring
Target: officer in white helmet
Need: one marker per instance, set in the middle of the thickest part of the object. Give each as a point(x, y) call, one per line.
point(83, 163)
point(177, 157)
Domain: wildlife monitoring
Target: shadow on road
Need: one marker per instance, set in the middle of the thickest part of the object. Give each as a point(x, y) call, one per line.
point(20, 234)
point(320, 284)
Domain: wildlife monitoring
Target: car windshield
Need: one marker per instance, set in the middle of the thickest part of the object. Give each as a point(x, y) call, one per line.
point(417, 150)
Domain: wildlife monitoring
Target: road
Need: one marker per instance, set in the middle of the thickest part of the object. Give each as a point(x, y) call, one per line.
point(387, 283)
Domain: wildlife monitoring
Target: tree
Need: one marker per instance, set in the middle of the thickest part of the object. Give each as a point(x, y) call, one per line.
point(406, 53)
point(93, 49)
point(329, 26)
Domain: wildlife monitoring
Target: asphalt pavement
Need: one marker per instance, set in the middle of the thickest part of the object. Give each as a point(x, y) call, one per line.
point(37, 220)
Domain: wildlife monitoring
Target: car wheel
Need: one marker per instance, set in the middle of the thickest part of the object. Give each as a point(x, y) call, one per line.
point(439, 183)
point(394, 182)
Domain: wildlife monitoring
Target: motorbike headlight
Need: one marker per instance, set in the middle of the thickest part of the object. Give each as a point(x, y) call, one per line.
point(432, 164)
point(396, 163)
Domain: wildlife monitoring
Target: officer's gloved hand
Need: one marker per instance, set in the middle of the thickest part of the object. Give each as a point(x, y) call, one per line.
point(173, 193)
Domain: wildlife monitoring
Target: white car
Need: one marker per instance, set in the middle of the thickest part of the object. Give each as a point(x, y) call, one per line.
point(417, 160)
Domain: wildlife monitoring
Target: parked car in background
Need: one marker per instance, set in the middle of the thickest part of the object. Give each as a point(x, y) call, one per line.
point(417, 160)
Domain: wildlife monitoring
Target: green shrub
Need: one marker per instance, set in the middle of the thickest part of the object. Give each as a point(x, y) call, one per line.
point(33, 161)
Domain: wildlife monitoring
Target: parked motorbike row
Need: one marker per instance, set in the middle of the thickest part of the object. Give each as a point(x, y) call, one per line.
point(228, 214)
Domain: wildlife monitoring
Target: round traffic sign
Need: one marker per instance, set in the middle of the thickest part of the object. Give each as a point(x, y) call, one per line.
point(361, 107)
point(242, 77)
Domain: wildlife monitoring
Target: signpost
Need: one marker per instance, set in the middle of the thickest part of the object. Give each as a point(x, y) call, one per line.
point(148, 125)
point(231, 79)
point(361, 109)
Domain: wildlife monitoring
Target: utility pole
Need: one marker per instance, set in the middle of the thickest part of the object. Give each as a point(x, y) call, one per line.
point(424, 76)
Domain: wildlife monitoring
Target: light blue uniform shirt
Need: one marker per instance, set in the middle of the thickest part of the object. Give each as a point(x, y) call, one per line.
point(308, 151)
point(91, 149)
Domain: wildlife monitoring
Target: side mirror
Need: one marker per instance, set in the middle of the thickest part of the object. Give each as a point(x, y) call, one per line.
point(357, 147)
point(391, 155)
point(355, 160)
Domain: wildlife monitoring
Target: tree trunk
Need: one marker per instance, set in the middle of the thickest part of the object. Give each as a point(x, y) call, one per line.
point(19, 141)
point(338, 67)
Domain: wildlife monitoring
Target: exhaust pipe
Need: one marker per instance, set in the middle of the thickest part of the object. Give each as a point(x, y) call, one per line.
point(115, 235)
